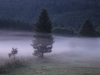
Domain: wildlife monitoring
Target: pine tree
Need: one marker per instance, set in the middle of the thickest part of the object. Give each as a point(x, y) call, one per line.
point(87, 29)
point(43, 39)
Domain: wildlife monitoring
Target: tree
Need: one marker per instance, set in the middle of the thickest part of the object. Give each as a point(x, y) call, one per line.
point(43, 39)
point(13, 53)
point(98, 31)
point(87, 29)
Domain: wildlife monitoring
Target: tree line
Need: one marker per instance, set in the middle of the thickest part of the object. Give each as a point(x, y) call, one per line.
point(18, 25)
point(29, 9)
point(70, 13)
point(11, 24)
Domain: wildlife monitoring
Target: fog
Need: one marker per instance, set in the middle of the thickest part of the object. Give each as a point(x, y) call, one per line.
point(87, 47)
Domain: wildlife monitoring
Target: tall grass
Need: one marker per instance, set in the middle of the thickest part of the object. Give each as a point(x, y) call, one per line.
point(9, 64)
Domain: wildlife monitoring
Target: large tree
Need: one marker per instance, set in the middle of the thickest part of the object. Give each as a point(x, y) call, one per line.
point(43, 39)
point(87, 29)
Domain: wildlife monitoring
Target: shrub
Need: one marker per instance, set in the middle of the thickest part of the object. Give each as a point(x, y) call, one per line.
point(11, 64)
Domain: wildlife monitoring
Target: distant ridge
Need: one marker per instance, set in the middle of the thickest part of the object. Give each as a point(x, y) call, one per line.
point(77, 18)
point(30, 9)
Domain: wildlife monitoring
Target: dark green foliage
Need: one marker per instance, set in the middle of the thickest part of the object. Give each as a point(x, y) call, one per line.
point(63, 31)
point(98, 31)
point(76, 18)
point(70, 13)
point(43, 35)
point(55, 25)
point(87, 30)
point(63, 12)
point(11, 24)
point(29, 9)
point(11, 64)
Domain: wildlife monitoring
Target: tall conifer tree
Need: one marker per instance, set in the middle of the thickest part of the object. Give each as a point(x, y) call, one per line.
point(43, 39)
point(87, 29)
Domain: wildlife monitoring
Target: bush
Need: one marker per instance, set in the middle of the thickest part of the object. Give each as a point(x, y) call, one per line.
point(98, 31)
point(13, 52)
point(63, 31)
point(11, 64)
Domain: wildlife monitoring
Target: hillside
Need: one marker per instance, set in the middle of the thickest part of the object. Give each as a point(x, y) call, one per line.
point(70, 13)
point(30, 9)
point(77, 18)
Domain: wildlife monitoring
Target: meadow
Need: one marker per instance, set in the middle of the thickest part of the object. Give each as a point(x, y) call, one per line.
point(70, 56)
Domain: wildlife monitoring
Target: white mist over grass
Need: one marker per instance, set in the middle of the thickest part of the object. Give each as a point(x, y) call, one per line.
point(88, 47)
point(22, 43)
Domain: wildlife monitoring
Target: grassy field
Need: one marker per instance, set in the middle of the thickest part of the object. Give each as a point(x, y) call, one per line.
point(58, 65)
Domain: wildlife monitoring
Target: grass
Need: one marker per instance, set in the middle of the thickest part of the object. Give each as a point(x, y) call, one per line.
point(58, 65)
point(9, 64)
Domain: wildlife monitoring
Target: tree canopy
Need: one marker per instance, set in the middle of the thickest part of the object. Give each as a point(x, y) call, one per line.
point(87, 29)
